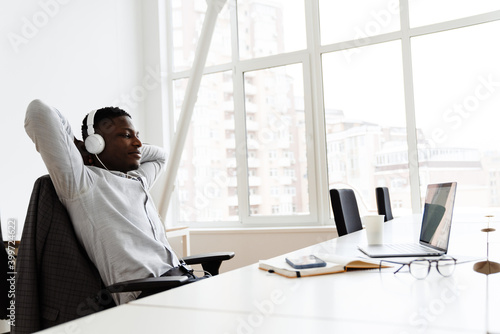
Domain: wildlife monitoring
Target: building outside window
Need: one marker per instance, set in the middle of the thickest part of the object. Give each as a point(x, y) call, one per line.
point(299, 97)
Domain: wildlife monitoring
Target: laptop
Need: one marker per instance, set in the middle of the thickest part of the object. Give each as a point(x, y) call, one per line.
point(435, 227)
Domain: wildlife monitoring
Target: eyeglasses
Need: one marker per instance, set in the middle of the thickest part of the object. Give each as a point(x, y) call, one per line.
point(420, 268)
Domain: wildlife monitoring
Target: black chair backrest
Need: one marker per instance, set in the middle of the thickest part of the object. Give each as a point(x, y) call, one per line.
point(345, 211)
point(55, 278)
point(384, 203)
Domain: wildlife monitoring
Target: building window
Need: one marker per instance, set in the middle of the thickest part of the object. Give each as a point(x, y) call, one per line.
point(378, 96)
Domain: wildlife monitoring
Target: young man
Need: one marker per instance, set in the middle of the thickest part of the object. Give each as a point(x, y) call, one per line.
point(106, 192)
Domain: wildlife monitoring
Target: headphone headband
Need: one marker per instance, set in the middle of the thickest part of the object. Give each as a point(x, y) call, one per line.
point(90, 122)
point(94, 143)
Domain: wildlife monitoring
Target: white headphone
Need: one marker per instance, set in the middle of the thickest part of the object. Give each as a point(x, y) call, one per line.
point(94, 143)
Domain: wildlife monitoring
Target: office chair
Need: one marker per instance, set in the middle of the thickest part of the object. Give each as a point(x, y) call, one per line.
point(384, 203)
point(345, 211)
point(56, 282)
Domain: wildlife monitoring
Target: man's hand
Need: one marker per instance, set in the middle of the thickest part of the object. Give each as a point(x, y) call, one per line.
point(86, 156)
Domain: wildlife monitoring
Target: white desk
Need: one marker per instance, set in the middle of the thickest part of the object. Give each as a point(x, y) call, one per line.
point(249, 300)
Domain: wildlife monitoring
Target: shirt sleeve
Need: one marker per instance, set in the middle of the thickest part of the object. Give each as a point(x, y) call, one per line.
point(153, 161)
point(54, 140)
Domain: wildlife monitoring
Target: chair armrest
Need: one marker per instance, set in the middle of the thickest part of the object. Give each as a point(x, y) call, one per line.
point(210, 261)
point(151, 285)
point(148, 284)
point(208, 257)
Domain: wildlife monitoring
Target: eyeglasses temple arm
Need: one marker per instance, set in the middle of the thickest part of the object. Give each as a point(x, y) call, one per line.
point(400, 268)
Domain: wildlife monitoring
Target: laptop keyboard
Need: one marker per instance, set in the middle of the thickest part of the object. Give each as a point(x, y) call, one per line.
point(408, 248)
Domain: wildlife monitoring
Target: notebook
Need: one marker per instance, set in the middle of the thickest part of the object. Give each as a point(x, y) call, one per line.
point(435, 227)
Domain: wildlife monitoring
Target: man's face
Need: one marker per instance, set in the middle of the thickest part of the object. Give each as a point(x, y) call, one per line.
point(121, 152)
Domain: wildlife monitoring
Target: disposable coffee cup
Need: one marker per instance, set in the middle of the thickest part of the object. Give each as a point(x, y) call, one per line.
point(374, 226)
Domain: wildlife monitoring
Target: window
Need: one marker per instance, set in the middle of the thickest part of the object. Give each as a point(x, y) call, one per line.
point(269, 129)
point(367, 120)
point(424, 12)
point(357, 21)
point(268, 28)
point(456, 100)
point(298, 97)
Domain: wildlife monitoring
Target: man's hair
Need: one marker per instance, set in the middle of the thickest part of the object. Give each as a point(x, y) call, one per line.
point(103, 113)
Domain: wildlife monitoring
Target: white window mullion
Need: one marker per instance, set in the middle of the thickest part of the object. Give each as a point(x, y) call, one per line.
point(241, 144)
point(410, 108)
point(272, 61)
point(318, 135)
point(357, 43)
point(235, 51)
point(173, 213)
point(317, 203)
point(454, 24)
point(239, 119)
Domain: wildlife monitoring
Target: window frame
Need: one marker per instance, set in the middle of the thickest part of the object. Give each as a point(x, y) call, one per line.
point(310, 58)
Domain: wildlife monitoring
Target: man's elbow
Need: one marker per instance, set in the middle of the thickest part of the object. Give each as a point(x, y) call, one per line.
point(34, 111)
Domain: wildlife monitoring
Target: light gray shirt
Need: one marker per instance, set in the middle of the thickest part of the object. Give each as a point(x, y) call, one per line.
point(113, 215)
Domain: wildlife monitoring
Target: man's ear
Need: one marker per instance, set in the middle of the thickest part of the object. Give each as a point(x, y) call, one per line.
point(105, 126)
point(88, 160)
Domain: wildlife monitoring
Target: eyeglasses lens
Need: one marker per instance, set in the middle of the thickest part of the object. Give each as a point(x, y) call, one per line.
point(446, 266)
point(419, 268)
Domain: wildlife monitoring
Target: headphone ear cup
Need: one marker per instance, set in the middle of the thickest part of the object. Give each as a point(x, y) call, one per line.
point(94, 144)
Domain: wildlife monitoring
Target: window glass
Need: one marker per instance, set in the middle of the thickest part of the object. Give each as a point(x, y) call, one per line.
point(424, 12)
point(276, 146)
point(187, 19)
point(456, 79)
point(268, 27)
point(365, 124)
point(206, 179)
point(350, 20)
point(457, 98)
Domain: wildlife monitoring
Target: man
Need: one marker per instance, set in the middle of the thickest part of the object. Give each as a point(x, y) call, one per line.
point(106, 191)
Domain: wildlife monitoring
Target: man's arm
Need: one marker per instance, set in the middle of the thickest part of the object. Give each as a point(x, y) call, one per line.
point(55, 142)
point(153, 160)
point(86, 156)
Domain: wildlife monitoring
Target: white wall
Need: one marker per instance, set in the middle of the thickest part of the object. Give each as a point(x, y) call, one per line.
point(253, 244)
point(76, 55)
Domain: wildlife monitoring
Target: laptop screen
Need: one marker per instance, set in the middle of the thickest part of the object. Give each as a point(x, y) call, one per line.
point(438, 211)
